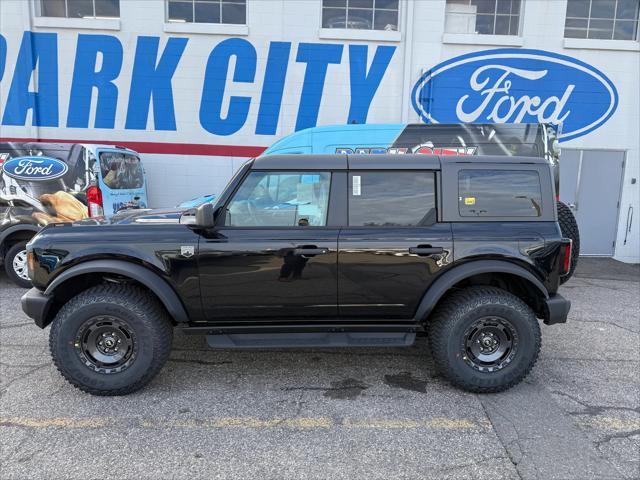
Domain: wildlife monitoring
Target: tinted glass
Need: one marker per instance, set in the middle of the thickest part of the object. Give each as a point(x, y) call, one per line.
point(79, 9)
point(53, 8)
point(181, 10)
point(499, 193)
point(121, 171)
point(360, 14)
point(288, 199)
point(404, 199)
point(107, 8)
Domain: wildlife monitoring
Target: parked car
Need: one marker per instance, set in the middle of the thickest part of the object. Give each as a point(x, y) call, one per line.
point(315, 250)
point(42, 183)
point(196, 202)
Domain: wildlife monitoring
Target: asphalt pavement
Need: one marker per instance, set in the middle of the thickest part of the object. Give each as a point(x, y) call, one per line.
point(326, 414)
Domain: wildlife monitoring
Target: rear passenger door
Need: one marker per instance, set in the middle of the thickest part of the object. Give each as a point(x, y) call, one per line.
point(393, 246)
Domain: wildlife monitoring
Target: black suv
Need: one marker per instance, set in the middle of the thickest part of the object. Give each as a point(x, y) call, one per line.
point(315, 250)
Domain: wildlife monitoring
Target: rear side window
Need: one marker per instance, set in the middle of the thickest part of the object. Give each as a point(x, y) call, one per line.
point(121, 171)
point(392, 199)
point(499, 193)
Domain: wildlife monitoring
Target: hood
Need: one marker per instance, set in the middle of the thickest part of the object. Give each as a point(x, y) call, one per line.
point(146, 216)
point(138, 216)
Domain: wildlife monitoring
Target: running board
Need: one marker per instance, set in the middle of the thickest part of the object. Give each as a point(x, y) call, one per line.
point(312, 339)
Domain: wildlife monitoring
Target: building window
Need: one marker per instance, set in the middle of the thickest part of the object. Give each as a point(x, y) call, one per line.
point(79, 8)
point(602, 19)
point(207, 11)
point(360, 14)
point(484, 17)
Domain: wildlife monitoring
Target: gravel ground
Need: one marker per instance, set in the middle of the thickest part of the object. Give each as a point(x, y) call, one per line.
point(362, 413)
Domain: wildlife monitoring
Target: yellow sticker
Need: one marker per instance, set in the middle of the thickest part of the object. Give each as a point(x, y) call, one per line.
point(469, 200)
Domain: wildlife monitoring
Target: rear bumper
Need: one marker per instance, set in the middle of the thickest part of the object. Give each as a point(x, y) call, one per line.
point(37, 305)
point(557, 309)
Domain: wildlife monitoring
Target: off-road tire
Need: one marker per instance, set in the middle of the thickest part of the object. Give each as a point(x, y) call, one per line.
point(143, 314)
point(8, 265)
point(569, 228)
point(453, 317)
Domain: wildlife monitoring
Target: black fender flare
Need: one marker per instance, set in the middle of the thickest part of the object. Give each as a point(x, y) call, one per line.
point(448, 279)
point(154, 282)
point(20, 227)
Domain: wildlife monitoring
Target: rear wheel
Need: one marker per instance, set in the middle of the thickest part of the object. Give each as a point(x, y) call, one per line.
point(569, 228)
point(15, 264)
point(484, 339)
point(111, 339)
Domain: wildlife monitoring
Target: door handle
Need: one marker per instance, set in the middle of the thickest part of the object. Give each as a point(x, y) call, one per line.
point(426, 250)
point(309, 251)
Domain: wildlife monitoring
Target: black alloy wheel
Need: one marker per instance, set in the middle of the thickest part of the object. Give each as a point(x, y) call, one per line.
point(490, 344)
point(106, 344)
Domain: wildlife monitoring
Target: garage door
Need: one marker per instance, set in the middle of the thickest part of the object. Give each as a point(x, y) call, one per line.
point(590, 184)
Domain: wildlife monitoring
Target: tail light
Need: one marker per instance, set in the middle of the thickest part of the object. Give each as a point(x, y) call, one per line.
point(567, 249)
point(94, 201)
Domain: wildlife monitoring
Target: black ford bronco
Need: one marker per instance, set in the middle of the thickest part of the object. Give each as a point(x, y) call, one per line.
point(315, 250)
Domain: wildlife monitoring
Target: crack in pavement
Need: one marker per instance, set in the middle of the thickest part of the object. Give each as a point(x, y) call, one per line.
point(602, 322)
point(594, 410)
point(613, 436)
point(200, 362)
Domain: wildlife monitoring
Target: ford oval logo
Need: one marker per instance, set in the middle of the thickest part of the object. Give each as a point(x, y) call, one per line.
point(516, 86)
point(36, 169)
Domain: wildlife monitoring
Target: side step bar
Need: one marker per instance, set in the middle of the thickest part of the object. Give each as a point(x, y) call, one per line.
point(312, 339)
point(300, 334)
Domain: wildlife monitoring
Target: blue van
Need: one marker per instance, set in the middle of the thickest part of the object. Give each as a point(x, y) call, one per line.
point(522, 139)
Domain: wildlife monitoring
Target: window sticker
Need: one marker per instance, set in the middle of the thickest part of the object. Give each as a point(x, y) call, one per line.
point(357, 191)
point(469, 200)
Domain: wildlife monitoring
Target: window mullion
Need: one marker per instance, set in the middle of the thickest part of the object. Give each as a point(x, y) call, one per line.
point(373, 16)
point(346, 16)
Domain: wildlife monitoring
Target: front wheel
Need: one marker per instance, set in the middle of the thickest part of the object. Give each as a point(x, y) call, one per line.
point(111, 339)
point(15, 264)
point(484, 339)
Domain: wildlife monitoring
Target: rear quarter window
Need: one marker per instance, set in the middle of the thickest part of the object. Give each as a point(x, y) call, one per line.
point(499, 193)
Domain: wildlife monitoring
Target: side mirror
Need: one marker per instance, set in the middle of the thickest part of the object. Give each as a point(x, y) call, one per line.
point(201, 217)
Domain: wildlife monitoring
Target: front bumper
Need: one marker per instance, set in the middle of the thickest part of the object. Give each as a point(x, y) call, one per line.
point(37, 305)
point(557, 309)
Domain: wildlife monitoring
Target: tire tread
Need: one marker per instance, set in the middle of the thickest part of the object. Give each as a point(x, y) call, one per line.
point(451, 309)
point(139, 301)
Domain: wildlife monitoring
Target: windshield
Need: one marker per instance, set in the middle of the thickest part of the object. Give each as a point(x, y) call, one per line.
point(121, 171)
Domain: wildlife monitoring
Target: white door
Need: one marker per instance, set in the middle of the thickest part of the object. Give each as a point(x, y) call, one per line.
point(590, 183)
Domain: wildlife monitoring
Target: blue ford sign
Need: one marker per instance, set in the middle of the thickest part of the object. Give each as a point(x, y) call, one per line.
point(34, 168)
point(516, 86)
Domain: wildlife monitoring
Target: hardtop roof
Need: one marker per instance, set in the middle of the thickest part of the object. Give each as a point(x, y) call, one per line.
point(306, 162)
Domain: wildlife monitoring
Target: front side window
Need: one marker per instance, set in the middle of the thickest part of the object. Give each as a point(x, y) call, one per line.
point(602, 19)
point(484, 17)
point(360, 14)
point(499, 193)
point(121, 171)
point(281, 199)
point(79, 8)
point(392, 199)
point(207, 11)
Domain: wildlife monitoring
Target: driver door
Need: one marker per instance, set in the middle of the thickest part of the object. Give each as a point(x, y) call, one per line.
point(274, 257)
